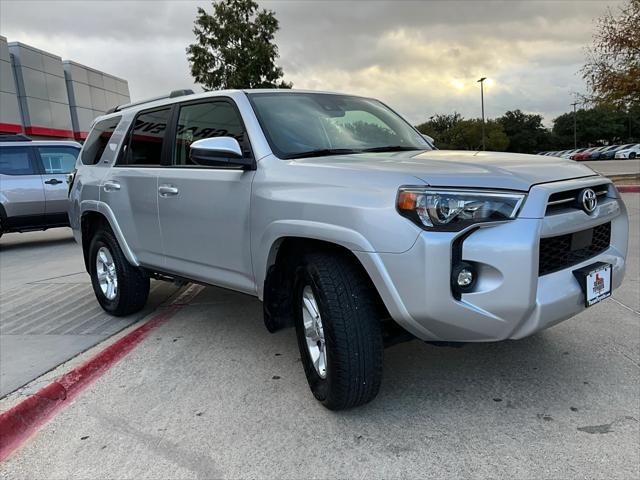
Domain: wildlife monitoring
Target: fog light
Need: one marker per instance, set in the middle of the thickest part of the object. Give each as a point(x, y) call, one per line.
point(465, 277)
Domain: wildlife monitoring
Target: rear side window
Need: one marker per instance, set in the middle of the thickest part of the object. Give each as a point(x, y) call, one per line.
point(16, 161)
point(144, 141)
point(98, 139)
point(58, 159)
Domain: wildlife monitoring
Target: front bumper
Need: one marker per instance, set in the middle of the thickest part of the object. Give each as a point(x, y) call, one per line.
point(510, 300)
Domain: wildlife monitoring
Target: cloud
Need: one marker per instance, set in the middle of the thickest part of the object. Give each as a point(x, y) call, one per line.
point(419, 57)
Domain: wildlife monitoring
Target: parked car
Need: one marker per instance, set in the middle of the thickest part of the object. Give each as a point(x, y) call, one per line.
point(33, 183)
point(584, 155)
point(611, 153)
point(573, 154)
point(595, 155)
point(628, 151)
point(338, 215)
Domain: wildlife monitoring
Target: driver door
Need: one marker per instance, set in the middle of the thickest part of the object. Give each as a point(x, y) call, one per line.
point(204, 209)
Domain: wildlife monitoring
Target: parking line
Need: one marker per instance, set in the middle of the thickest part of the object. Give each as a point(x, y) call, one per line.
point(27, 417)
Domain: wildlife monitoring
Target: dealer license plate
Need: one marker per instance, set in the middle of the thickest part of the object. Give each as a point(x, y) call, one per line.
point(595, 281)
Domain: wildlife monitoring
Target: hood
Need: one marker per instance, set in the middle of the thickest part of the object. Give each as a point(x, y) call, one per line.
point(451, 168)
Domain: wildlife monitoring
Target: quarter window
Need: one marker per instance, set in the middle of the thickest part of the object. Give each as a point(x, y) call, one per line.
point(98, 139)
point(206, 120)
point(144, 143)
point(58, 159)
point(16, 161)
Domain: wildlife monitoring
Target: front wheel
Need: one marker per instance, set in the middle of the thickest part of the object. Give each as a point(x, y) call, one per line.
point(121, 288)
point(339, 330)
point(632, 155)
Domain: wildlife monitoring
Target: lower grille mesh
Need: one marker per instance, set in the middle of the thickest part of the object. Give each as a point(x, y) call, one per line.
point(556, 253)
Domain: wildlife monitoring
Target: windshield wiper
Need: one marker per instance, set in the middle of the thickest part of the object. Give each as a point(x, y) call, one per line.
point(322, 152)
point(391, 148)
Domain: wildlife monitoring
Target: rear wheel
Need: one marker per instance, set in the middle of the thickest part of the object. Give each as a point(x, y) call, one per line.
point(121, 288)
point(632, 155)
point(339, 330)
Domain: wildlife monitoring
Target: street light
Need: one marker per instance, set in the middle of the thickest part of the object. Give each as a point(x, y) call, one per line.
point(481, 82)
point(575, 131)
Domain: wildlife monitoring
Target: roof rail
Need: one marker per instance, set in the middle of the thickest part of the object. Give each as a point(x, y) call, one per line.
point(173, 94)
point(14, 137)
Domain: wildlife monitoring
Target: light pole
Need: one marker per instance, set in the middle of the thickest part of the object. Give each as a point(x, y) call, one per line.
point(575, 130)
point(481, 82)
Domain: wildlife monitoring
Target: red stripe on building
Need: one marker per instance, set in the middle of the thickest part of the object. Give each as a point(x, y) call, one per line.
point(80, 135)
point(10, 128)
point(48, 132)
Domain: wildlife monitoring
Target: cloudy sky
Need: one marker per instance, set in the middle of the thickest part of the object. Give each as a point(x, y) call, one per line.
point(421, 57)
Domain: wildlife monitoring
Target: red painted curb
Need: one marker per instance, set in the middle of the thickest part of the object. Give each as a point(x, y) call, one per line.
point(25, 418)
point(628, 188)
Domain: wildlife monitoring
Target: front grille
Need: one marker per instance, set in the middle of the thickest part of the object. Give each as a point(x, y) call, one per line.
point(568, 199)
point(557, 253)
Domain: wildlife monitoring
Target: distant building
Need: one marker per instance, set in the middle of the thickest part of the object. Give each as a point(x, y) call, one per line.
point(45, 97)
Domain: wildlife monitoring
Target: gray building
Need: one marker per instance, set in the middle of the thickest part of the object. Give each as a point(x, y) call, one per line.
point(10, 119)
point(46, 97)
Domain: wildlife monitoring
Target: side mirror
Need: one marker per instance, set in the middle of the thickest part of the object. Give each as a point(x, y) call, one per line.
point(219, 151)
point(429, 140)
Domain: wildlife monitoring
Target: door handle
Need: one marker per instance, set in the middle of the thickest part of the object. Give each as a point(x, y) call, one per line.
point(110, 186)
point(53, 181)
point(167, 190)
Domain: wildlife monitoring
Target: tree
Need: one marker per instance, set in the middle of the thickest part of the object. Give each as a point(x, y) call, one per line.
point(467, 135)
point(440, 128)
point(601, 125)
point(612, 71)
point(525, 132)
point(234, 47)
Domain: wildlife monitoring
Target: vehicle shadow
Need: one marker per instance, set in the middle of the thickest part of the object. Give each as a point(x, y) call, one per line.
point(16, 241)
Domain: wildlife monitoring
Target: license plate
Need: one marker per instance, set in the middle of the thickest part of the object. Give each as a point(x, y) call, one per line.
point(595, 281)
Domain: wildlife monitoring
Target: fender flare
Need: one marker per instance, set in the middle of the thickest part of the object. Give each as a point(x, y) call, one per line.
point(104, 210)
point(266, 248)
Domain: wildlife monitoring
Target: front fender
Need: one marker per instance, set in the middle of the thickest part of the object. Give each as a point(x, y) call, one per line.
point(265, 249)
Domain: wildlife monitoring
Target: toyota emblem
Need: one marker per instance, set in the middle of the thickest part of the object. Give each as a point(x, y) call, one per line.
point(588, 200)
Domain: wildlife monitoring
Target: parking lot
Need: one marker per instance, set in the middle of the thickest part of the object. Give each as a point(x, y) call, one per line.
point(210, 393)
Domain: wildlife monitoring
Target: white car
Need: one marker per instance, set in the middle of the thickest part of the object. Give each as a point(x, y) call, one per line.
point(632, 151)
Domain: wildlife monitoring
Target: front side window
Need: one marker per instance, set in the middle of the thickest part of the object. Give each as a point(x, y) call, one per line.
point(98, 139)
point(16, 161)
point(58, 159)
point(144, 142)
point(300, 124)
point(205, 120)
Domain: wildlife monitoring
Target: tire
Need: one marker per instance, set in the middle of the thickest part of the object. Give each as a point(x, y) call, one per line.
point(132, 284)
point(351, 327)
point(632, 155)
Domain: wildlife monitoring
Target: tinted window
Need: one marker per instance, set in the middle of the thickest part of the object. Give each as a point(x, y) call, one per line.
point(16, 161)
point(205, 120)
point(98, 139)
point(144, 144)
point(58, 159)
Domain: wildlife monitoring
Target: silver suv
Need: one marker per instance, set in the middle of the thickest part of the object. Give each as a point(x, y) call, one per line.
point(34, 182)
point(339, 216)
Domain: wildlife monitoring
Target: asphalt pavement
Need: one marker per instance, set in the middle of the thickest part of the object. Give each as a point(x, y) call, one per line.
point(616, 167)
point(211, 394)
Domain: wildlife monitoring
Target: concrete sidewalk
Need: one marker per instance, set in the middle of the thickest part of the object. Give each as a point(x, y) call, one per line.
point(211, 394)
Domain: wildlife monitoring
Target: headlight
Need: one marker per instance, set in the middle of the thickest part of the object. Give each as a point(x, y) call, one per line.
point(452, 210)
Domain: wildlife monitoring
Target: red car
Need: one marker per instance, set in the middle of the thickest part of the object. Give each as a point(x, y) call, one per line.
point(584, 155)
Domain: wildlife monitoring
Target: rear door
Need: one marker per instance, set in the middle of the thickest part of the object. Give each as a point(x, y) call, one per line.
point(21, 193)
point(130, 188)
point(57, 162)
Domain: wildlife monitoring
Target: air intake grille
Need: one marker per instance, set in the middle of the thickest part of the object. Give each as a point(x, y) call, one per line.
point(557, 253)
point(561, 201)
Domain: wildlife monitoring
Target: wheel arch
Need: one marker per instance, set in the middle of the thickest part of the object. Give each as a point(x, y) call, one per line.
point(94, 218)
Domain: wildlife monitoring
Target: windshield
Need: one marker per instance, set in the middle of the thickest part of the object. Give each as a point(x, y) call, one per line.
point(308, 124)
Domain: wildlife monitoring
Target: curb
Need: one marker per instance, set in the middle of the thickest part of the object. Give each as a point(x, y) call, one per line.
point(628, 188)
point(24, 419)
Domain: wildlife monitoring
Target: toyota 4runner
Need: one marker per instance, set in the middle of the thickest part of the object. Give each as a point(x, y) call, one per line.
point(346, 223)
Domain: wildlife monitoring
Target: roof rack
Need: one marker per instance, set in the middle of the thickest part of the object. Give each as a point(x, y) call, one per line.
point(14, 137)
point(173, 94)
